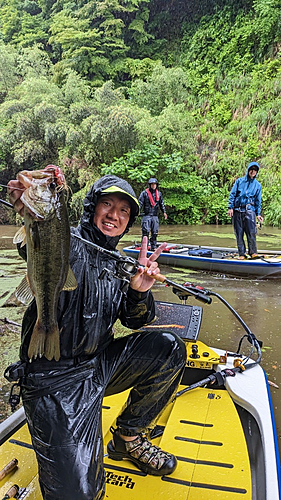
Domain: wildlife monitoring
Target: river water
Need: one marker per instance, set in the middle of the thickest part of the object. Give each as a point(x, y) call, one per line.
point(257, 301)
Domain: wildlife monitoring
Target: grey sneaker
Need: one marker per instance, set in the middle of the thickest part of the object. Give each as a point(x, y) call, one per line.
point(147, 457)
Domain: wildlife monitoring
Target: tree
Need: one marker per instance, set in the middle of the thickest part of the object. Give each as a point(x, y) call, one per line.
point(8, 73)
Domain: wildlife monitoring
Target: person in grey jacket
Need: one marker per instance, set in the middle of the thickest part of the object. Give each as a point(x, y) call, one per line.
point(244, 205)
point(150, 201)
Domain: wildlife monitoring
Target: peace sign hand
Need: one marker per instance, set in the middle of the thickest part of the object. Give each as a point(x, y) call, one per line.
point(144, 280)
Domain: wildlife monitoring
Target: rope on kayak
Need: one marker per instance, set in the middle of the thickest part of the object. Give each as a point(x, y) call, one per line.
point(272, 257)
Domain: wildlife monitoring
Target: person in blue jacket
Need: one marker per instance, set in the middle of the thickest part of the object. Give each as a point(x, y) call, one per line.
point(244, 205)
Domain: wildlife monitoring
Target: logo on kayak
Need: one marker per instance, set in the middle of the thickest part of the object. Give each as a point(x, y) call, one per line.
point(117, 480)
point(199, 364)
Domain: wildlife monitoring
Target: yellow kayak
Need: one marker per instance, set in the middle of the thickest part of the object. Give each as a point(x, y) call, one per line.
point(223, 436)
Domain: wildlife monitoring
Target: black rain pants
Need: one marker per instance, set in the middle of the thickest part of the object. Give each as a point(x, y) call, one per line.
point(150, 224)
point(63, 407)
point(245, 223)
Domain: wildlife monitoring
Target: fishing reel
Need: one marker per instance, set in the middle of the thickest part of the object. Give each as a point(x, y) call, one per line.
point(125, 268)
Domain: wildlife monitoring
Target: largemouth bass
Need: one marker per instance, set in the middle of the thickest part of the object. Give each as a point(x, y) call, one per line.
point(46, 233)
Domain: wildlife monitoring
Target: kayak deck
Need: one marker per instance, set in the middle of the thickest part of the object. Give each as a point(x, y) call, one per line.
point(213, 460)
point(202, 428)
point(224, 438)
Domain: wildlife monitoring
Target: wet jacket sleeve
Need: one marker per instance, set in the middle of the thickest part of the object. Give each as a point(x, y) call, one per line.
point(233, 194)
point(258, 200)
point(141, 200)
point(137, 309)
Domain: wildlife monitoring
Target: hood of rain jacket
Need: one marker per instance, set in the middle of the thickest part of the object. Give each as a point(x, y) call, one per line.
point(106, 184)
point(152, 180)
point(251, 165)
point(246, 193)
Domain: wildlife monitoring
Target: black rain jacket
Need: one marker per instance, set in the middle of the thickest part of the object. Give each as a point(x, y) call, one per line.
point(145, 206)
point(86, 315)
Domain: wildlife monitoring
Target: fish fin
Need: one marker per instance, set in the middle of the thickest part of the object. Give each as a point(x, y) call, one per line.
point(52, 345)
point(23, 291)
point(44, 342)
point(20, 237)
point(70, 282)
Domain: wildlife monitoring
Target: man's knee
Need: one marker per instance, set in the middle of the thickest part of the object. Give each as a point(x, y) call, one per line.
point(173, 346)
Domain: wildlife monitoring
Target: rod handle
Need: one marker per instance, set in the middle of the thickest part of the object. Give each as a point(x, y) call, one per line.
point(157, 277)
point(8, 468)
point(12, 492)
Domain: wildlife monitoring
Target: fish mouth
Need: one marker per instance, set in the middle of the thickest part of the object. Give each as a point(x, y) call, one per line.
point(43, 191)
point(51, 173)
point(38, 208)
point(33, 212)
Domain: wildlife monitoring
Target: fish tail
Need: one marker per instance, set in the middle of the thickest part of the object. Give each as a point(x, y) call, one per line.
point(52, 344)
point(44, 342)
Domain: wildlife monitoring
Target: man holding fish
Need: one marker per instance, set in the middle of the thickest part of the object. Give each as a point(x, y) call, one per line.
point(66, 378)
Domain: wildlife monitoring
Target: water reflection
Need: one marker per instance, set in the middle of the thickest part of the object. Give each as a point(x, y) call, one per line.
point(6, 236)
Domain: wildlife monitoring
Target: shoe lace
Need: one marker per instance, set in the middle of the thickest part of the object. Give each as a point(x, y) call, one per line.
point(146, 452)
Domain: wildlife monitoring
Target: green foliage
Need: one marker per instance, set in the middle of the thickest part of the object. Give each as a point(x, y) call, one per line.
point(22, 23)
point(233, 39)
point(187, 91)
point(32, 125)
point(33, 62)
point(193, 200)
point(272, 205)
point(8, 76)
point(76, 203)
point(189, 198)
point(139, 164)
point(163, 87)
point(91, 36)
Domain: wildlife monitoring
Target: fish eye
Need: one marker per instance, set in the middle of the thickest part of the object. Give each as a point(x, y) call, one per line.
point(52, 186)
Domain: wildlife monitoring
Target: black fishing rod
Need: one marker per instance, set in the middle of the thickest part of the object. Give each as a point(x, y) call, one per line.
point(112, 253)
point(128, 267)
point(6, 203)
